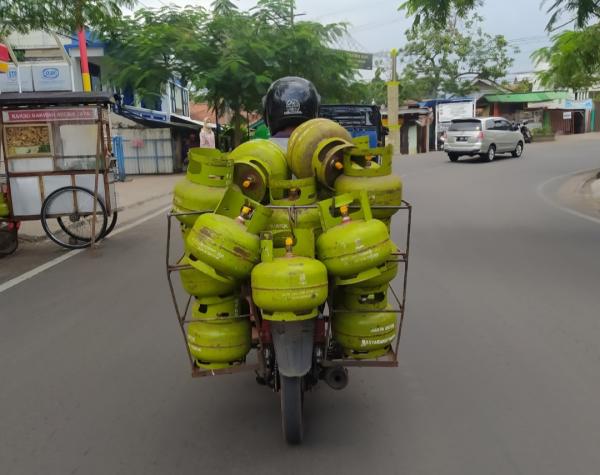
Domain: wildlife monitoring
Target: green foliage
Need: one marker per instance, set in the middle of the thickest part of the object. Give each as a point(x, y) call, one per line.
point(146, 50)
point(229, 56)
point(440, 11)
point(367, 92)
point(542, 131)
point(437, 11)
point(573, 60)
point(62, 15)
point(440, 62)
point(522, 86)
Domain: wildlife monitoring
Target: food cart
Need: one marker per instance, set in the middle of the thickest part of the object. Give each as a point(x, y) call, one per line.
point(56, 167)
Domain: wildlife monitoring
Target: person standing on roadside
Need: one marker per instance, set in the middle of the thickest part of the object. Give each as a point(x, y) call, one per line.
point(207, 136)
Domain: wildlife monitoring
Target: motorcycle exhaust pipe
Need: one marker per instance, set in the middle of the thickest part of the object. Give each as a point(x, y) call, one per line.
point(336, 377)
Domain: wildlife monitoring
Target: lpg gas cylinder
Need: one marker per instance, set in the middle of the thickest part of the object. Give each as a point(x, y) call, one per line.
point(218, 336)
point(363, 172)
point(292, 193)
point(355, 297)
point(389, 270)
point(4, 211)
point(288, 288)
point(353, 246)
point(365, 335)
point(209, 308)
point(199, 284)
point(305, 140)
point(225, 244)
point(208, 175)
point(256, 163)
point(328, 160)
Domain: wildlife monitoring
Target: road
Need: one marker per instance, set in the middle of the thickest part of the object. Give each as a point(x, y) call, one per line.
point(500, 360)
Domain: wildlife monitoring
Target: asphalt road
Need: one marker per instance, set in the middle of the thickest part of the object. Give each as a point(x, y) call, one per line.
point(500, 359)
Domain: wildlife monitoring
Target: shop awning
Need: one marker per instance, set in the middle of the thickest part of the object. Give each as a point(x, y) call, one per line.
point(517, 98)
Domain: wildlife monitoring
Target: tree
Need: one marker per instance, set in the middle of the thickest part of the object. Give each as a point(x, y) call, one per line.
point(148, 49)
point(572, 61)
point(582, 12)
point(368, 92)
point(229, 56)
point(445, 61)
point(62, 15)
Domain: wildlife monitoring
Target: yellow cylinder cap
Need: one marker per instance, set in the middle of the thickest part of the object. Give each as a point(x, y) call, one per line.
point(246, 183)
point(368, 158)
point(289, 242)
point(344, 209)
point(339, 165)
point(246, 210)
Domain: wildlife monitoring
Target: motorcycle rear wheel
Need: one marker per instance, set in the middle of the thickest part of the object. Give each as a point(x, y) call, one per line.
point(292, 409)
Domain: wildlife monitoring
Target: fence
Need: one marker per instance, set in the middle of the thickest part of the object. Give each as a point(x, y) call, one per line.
point(146, 151)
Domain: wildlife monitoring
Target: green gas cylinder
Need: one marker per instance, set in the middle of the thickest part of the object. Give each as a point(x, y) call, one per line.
point(353, 246)
point(365, 335)
point(354, 297)
point(362, 171)
point(388, 272)
point(200, 284)
point(293, 194)
point(305, 140)
point(288, 288)
point(4, 211)
point(208, 175)
point(218, 336)
point(257, 162)
point(225, 244)
point(328, 160)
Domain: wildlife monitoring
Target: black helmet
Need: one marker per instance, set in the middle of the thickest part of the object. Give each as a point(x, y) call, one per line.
point(290, 101)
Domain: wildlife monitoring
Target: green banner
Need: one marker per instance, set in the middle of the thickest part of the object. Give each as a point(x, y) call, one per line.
point(360, 60)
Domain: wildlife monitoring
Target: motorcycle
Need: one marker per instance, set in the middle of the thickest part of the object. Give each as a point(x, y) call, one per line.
point(527, 136)
point(304, 302)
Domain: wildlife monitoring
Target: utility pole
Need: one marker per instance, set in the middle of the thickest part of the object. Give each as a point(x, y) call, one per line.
point(392, 90)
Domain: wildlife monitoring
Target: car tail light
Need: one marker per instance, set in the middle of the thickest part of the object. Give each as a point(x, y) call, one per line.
point(480, 135)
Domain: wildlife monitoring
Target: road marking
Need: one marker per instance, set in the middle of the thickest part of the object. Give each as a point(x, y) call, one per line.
point(54, 262)
point(551, 202)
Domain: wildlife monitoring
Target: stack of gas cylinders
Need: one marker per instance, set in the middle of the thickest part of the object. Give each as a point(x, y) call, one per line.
point(301, 231)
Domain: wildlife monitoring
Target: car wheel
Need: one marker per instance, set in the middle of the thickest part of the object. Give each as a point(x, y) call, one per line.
point(518, 150)
point(453, 157)
point(490, 155)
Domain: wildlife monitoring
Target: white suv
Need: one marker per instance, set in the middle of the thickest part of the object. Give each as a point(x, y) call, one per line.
point(485, 136)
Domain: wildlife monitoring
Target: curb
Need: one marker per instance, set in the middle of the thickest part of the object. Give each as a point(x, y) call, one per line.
point(36, 239)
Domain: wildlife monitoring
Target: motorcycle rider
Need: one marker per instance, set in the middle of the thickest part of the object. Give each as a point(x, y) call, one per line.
point(289, 102)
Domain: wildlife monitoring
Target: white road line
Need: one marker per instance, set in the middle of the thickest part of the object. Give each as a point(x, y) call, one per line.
point(54, 262)
point(551, 202)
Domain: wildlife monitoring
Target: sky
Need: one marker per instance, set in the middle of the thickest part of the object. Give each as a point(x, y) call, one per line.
point(377, 25)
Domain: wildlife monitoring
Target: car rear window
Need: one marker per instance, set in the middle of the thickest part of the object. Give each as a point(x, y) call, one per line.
point(465, 126)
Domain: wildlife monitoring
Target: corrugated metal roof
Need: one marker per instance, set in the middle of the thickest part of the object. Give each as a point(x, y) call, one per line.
point(541, 96)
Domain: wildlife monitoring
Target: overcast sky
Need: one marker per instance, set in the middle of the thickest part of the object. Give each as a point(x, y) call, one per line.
point(377, 25)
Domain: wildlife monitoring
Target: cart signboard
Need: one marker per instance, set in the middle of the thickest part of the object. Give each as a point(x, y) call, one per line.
point(50, 115)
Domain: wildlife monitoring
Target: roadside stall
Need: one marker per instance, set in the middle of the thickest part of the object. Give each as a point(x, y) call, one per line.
point(57, 167)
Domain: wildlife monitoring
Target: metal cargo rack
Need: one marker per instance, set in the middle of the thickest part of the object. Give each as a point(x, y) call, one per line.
point(260, 343)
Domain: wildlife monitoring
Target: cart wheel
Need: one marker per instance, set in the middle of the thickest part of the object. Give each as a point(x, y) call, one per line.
point(78, 233)
point(292, 409)
point(67, 229)
point(9, 239)
point(112, 224)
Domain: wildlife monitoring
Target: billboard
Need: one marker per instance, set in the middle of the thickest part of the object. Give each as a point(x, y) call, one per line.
point(455, 110)
point(359, 60)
